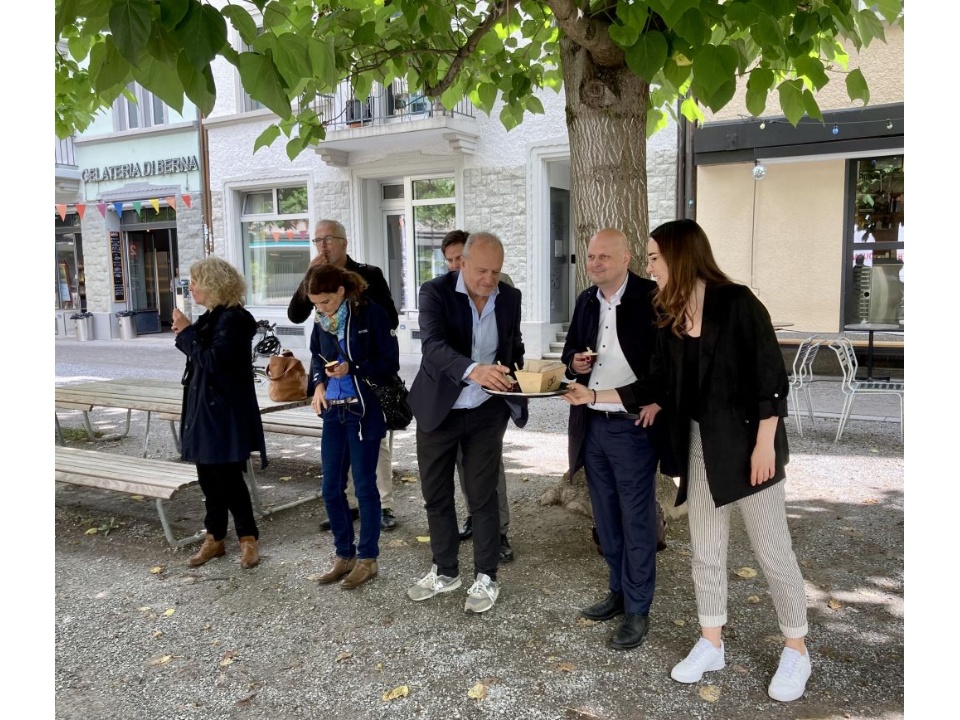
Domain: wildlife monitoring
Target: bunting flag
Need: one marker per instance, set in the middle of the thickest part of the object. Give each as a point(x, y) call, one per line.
point(276, 236)
point(81, 209)
point(62, 211)
point(171, 201)
point(289, 233)
point(118, 206)
point(303, 234)
point(156, 204)
point(137, 206)
point(187, 200)
point(102, 207)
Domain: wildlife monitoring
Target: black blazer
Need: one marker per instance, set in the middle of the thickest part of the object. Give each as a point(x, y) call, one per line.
point(636, 332)
point(446, 334)
point(742, 380)
point(377, 291)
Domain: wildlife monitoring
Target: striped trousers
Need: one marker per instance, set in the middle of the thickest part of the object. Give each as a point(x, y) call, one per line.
point(765, 517)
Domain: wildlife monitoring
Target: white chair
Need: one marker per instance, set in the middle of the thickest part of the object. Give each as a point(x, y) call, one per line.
point(802, 376)
point(852, 387)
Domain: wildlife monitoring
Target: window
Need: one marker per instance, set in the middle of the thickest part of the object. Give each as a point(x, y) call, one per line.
point(874, 268)
point(248, 103)
point(145, 110)
point(275, 227)
point(70, 290)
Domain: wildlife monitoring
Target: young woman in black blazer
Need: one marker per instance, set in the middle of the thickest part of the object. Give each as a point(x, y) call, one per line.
point(719, 374)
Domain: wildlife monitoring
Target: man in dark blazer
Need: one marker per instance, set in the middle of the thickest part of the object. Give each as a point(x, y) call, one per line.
point(615, 319)
point(470, 336)
point(330, 239)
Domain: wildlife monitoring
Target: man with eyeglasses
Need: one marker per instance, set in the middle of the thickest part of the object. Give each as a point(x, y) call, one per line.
point(330, 241)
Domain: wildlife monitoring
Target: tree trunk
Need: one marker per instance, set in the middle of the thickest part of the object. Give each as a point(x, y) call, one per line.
point(607, 128)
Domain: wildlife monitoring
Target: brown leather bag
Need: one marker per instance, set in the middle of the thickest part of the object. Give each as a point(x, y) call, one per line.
point(288, 379)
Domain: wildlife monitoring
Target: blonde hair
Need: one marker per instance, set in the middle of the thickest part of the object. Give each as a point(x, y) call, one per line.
point(220, 281)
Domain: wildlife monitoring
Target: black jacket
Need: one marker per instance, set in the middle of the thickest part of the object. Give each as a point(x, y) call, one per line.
point(742, 380)
point(446, 332)
point(378, 291)
point(220, 417)
point(636, 332)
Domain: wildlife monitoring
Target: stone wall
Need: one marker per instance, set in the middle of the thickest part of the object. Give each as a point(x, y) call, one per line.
point(494, 201)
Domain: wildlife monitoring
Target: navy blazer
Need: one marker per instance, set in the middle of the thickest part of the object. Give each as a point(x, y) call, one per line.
point(742, 380)
point(446, 335)
point(636, 332)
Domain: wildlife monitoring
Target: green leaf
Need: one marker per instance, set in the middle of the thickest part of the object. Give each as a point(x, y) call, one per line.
point(671, 10)
point(532, 104)
point(130, 22)
point(323, 62)
point(811, 106)
point(791, 100)
point(292, 59)
point(812, 69)
point(161, 80)
point(624, 35)
point(714, 70)
point(202, 32)
point(870, 26)
point(691, 110)
point(173, 11)
point(274, 16)
point(647, 56)
point(113, 69)
point(692, 28)
point(857, 86)
point(487, 93)
point(675, 73)
point(656, 121)
point(366, 34)
point(262, 80)
point(890, 9)
point(197, 84)
point(241, 20)
point(758, 86)
point(163, 45)
point(768, 35)
point(296, 145)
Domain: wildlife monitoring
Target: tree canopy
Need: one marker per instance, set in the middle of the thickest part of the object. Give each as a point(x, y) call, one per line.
point(689, 51)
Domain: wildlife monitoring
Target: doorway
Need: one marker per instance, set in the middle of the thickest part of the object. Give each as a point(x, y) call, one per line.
point(152, 258)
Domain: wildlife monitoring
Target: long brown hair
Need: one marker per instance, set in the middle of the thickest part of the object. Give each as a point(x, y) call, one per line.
point(330, 278)
point(686, 251)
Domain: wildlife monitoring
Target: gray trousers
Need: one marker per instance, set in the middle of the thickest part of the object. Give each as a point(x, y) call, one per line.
point(501, 493)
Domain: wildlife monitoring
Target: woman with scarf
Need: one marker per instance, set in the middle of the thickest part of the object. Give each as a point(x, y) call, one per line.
point(352, 345)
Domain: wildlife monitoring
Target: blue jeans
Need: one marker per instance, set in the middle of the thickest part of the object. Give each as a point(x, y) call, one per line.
point(341, 448)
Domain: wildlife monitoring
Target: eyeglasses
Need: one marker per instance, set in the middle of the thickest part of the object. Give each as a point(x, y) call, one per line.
point(327, 239)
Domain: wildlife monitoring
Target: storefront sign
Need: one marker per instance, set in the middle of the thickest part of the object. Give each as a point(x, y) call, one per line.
point(116, 261)
point(144, 169)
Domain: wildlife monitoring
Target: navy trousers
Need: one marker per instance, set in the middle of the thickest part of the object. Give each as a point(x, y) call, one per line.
point(621, 462)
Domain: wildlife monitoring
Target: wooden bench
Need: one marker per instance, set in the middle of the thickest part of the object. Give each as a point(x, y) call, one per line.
point(158, 479)
point(293, 422)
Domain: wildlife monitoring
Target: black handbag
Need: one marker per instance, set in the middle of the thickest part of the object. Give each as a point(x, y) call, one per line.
point(392, 396)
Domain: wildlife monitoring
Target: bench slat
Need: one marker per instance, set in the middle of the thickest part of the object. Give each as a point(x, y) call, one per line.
point(133, 475)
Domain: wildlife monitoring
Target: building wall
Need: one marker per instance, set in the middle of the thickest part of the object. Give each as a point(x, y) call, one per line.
point(782, 236)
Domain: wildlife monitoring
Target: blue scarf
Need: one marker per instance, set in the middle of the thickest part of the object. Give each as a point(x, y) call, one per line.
point(335, 325)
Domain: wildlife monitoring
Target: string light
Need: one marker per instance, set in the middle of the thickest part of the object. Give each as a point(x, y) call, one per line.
point(889, 124)
point(836, 129)
point(763, 124)
point(759, 171)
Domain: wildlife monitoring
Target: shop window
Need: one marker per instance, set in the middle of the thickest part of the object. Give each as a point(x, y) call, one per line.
point(70, 291)
point(275, 227)
point(874, 269)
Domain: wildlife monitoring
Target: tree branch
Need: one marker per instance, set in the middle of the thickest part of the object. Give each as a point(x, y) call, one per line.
point(498, 11)
point(589, 33)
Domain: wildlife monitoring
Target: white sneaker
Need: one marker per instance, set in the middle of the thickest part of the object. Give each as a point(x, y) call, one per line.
point(703, 658)
point(432, 584)
point(791, 678)
point(482, 594)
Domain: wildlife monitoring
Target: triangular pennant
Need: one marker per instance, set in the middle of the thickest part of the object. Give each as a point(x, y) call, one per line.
point(156, 204)
point(102, 207)
point(81, 209)
point(118, 206)
point(303, 234)
point(289, 233)
point(187, 200)
point(137, 206)
point(171, 201)
point(276, 236)
point(62, 211)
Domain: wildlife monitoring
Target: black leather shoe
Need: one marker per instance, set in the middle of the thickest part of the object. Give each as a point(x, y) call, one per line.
point(506, 552)
point(609, 607)
point(325, 524)
point(631, 633)
point(466, 532)
point(387, 521)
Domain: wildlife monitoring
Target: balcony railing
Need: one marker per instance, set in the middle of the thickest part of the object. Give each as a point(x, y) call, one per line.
point(64, 152)
point(386, 105)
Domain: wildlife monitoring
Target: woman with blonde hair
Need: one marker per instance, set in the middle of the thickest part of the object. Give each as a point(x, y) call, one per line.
point(220, 419)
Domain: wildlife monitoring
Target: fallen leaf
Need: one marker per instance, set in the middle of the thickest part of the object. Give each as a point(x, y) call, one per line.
point(344, 656)
point(157, 633)
point(753, 599)
point(871, 501)
point(745, 572)
point(423, 538)
point(680, 623)
point(157, 569)
point(581, 621)
point(137, 498)
point(566, 667)
point(243, 702)
point(408, 478)
point(226, 661)
point(162, 660)
point(547, 591)
point(740, 669)
point(834, 604)
point(285, 478)
point(91, 531)
point(144, 608)
point(379, 667)
point(169, 611)
point(477, 692)
point(398, 542)
point(400, 691)
point(524, 479)
point(710, 693)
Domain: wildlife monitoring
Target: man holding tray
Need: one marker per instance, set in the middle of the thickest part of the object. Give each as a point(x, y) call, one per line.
point(470, 337)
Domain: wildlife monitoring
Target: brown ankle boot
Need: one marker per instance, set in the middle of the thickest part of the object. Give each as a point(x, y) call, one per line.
point(208, 551)
point(364, 570)
point(341, 566)
point(249, 552)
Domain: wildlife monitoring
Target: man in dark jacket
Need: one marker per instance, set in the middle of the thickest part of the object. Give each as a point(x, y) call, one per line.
point(615, 320)
point(330, 240)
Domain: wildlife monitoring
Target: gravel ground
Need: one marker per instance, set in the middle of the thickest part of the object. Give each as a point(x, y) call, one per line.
point(140, 634)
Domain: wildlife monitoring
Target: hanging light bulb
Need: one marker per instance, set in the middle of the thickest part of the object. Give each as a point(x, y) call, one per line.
point(759, 171)
point(836, 129)
point(889, 124)
point(763, 125)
